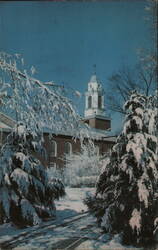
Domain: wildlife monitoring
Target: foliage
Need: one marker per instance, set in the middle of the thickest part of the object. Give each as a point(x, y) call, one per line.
point(83, 169)
point(26, 194)
point(141, 78)
point(38, 105)
point(126, 193)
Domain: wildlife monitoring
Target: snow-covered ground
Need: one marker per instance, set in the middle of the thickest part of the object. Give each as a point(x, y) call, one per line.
point(50, 235)
point(72, 203)
point(66, 207)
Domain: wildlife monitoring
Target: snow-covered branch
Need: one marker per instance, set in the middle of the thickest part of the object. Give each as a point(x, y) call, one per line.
point(33, 102)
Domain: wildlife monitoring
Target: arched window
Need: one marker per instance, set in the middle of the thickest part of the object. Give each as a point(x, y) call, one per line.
point(97, 150)
point(1, 136)
point(43, 153)
point(99, 102)
point(53, 148)
point(89, 102)
point(68, 148)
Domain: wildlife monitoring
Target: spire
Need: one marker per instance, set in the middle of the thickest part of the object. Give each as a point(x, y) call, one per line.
point(94, 76)
point(94, 104)
point(94, 69)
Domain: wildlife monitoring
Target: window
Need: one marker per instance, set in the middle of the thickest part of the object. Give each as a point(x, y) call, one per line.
point(68, 148)
point(97, 150)
point(1, 136)
point(52, 165)
point(53, 148)
point(44, 153)
point(89, 102)
point(99, 102)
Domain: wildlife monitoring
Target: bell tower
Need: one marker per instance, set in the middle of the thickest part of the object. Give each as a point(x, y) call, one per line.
point(95, 114)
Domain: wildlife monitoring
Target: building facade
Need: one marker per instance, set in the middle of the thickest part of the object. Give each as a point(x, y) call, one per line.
point(56, 146)
point(99, 123)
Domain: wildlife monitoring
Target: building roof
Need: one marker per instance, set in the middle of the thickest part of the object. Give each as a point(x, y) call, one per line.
point(94, 78)
point(110, 138)
point(95, 134)
point(3, 126)
point(96, 116)
point(6, 122)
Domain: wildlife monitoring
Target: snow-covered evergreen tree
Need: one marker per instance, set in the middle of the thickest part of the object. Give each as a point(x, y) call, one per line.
point(26, 193)
point(127, 189)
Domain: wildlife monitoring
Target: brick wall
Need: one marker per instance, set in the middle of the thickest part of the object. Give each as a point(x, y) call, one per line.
point(103, 145)
point(60, 140)
point(98, 123)
point(46, 158)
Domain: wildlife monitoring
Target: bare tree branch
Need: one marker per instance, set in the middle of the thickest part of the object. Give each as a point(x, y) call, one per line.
point(141, 78)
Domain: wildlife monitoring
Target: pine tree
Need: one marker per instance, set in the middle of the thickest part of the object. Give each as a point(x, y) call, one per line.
point(126, 192)
point(26, 194)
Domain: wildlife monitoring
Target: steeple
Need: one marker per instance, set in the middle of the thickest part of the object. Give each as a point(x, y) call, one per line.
point(94, 69)
point(94, 98)
point(94, 113)
point(94, 75)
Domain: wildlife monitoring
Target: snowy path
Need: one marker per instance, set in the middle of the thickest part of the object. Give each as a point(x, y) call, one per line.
point(58, 235)
point(73, 228)
point(70, 210)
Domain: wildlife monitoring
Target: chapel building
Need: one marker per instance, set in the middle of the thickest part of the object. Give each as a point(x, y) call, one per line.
point(99, 123)
point(56, 146)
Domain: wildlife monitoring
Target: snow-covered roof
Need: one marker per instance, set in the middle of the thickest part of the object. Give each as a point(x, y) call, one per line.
point(110, 138)
point(92, 133)
point(96, 116)
point(4, 126)
point(6, 122)
point(94, 78)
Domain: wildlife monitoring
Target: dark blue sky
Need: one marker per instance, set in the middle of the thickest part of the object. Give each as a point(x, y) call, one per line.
point(64, 39)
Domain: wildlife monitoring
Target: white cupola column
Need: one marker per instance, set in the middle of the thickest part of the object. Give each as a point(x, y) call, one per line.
point(94, 98)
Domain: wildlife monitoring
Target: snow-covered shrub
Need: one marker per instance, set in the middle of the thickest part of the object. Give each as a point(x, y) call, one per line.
point(127, 190)
point(26, 193)
point(55, 172)
point(83, 168)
